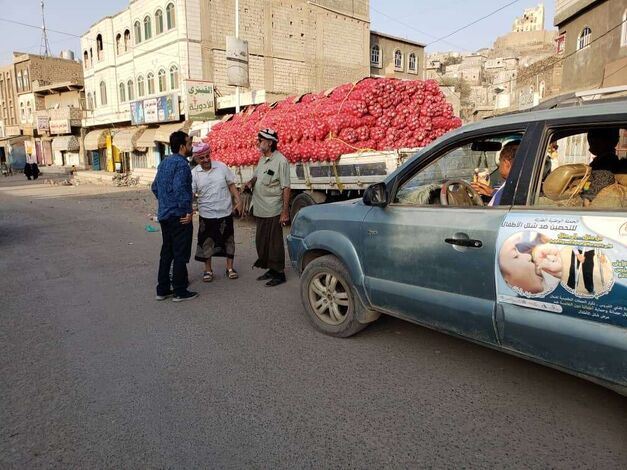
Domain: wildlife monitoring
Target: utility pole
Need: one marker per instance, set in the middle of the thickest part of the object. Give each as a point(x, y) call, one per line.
point(44, 49)
point(237, 97)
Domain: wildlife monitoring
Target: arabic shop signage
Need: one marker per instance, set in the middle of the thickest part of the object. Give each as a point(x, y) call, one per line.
point(201, 100)
point(153, 110)
point(43, 124)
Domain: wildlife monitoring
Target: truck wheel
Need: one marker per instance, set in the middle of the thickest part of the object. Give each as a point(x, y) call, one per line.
point(300, 201)
point(329, 298)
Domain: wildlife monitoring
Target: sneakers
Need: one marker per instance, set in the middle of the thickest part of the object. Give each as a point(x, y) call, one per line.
point(187, 295)
point(164, 297)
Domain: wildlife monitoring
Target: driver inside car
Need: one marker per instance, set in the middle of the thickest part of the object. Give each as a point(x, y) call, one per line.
point(506, 160)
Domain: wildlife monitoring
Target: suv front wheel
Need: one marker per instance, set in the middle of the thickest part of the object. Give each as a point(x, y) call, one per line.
point(329, 298)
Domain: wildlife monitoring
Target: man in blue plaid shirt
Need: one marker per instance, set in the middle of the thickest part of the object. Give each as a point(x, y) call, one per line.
point(173, 189)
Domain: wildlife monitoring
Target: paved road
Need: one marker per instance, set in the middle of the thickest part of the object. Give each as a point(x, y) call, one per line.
point(95, 373)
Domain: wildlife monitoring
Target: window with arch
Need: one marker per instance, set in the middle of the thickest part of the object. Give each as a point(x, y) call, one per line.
point(91, 57)
point(127, 40)
point(413, 63)
point(161, 78)
point(103, 93)
point(118, 44)
point(147, 28)
point(122, 92)
point(159, 22)
point(375, 55)
point(174, 77)
point(20, 81)
point(138, 32)
point(141, 91)
point(398, 60)
point(90, 101)
point(542, 89)
point(86, 60)
point(22, 112)
point(623, 35)
point(130, 90)
point(170, 16)
point(99, 47)
point(584, 38)
point(26, 80)
point(150, 79)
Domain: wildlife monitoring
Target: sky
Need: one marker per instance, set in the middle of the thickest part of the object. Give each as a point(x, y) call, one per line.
point(418, 20)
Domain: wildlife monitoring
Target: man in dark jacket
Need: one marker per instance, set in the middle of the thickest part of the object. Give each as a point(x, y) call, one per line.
point(173, 188)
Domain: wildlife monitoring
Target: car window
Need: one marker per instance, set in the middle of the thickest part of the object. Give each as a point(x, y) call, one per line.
point(584, 168)
point(476, 162)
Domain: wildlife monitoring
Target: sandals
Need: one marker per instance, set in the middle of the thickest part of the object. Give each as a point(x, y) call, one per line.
point(207, 276)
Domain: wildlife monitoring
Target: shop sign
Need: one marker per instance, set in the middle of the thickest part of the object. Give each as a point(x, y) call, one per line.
point(60, 126)
point(237, 62)
point(43, 124)
point(153, 110)
point(201, 100)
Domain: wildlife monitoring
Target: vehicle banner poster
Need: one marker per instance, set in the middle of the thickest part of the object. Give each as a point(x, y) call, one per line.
point(568, 265)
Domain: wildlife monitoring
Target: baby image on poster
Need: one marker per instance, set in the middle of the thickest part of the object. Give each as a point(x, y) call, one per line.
point(530, 265)
point(587, 272)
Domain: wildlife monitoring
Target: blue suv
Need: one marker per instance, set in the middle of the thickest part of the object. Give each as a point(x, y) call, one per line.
point(511, 232)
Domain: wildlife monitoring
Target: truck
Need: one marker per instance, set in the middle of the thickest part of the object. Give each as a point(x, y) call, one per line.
point(323, 182)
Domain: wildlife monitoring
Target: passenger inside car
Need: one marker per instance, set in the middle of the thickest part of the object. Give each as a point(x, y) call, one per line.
point(506, 160)
point(586, 171)
point(605, 165)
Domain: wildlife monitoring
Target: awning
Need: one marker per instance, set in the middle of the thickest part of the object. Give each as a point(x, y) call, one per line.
point(164, 131)
point(95, 140)
point(65, 143)
point(147, 139)
point(125, 139)
point(13, 140)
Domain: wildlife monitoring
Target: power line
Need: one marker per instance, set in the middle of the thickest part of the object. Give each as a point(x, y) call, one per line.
point(473, 22)
point(407, 25)
point(72, 35)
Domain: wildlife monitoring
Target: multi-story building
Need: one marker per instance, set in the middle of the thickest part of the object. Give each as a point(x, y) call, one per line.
point(391, 56)
point(23, 87)
point(140, 55)
point(147, 52)
point(532, 19)
point(593, 43)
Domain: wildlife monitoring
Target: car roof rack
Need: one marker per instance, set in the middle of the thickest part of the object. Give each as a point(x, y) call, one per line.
point(578, 98)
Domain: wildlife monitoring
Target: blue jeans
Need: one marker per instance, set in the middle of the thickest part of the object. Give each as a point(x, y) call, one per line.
point(176, 250)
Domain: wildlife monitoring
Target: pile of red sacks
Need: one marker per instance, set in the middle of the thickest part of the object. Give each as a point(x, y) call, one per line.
point(374, 114)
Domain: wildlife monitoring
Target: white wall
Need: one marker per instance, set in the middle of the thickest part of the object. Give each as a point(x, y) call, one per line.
point(178, 47)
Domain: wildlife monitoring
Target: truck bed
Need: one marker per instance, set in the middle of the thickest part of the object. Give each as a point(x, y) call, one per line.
point(352, 172)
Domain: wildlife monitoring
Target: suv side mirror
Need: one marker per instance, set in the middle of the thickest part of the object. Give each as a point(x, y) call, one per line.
point(376, 195)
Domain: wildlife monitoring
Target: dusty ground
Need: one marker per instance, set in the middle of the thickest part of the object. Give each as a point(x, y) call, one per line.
point(94, 373)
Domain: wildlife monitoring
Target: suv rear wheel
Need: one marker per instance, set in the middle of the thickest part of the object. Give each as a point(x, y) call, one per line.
point(329, 298)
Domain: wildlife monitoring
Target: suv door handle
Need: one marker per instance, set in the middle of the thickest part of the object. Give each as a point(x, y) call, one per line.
point(466, 243)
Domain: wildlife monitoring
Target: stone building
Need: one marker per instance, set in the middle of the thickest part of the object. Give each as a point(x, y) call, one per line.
point(295, 46)
point(9, 124)
point(538, 82)
point(391, 56)
point(532, 19)
point(593, 41)
point(24, 86)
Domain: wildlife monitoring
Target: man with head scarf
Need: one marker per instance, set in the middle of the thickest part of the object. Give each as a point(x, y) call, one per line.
point(271, 201)
point(213, 183)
